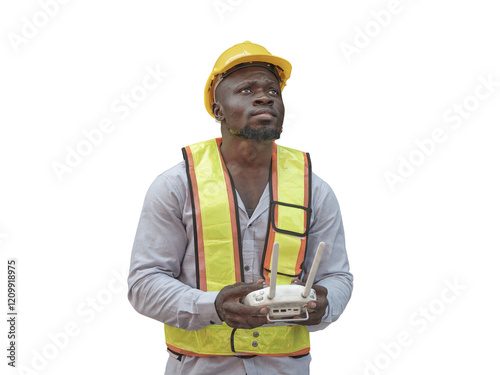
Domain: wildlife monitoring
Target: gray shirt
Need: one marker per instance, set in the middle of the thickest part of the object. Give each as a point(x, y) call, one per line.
point(162, 279)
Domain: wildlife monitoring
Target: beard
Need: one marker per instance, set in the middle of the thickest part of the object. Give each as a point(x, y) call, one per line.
point(260, 135)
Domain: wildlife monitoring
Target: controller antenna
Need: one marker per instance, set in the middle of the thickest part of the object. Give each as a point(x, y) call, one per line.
point(314, 269)
point(274, 271)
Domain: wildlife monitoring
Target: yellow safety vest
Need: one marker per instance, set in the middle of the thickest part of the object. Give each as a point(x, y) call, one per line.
point(218, 247)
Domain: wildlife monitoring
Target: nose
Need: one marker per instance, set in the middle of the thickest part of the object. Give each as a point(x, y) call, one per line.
point(261, 98)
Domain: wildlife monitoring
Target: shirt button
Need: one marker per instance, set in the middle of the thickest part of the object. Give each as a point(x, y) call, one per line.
point(247, 268)
point(256, 334)
point(255, 343)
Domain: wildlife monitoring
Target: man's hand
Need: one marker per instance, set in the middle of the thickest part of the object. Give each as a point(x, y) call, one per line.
point(236, 314)
point(316, 308)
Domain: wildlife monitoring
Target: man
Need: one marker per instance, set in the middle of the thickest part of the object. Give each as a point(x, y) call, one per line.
point(208, 225)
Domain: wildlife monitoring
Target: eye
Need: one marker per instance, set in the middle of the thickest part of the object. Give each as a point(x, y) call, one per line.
point(274, 92)
point(246, 90)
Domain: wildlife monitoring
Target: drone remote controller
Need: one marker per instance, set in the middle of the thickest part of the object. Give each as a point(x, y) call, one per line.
point(286, 301)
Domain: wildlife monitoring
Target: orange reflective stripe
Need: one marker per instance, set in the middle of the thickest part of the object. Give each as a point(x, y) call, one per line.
point(307, 203)
point(195, 354)
point(292, 354)
point(200, 253)
point(271, 233)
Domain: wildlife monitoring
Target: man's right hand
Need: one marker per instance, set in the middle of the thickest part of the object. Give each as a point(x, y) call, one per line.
point(236, 314)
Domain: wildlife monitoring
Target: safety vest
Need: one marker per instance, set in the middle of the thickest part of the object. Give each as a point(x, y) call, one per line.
point(217, 243)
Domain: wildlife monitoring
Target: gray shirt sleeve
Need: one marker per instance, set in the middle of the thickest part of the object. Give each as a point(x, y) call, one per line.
point(333, 272)
point(157, 255)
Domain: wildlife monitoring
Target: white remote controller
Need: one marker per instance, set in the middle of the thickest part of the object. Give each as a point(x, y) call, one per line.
point(286, 301)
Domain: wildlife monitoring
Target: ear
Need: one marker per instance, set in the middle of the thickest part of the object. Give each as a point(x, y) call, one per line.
point(217, 111)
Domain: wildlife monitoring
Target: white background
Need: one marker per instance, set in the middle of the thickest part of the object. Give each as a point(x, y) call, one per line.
point(357, 114)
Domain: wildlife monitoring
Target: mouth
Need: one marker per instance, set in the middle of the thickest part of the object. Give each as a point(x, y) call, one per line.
point(264, 114)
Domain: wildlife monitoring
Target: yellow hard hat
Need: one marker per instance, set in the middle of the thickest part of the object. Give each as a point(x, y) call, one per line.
point(245, 52)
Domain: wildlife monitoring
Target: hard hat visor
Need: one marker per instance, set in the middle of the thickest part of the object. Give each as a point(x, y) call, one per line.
point(273, 69)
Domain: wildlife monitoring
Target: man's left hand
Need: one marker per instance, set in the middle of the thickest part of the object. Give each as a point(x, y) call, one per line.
point(316, 308)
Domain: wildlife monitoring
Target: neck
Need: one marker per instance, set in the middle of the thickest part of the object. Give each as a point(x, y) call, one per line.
point(249, 162)
point(248, 153)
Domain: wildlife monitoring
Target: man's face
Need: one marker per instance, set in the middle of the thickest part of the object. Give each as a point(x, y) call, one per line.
point(248, 103)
